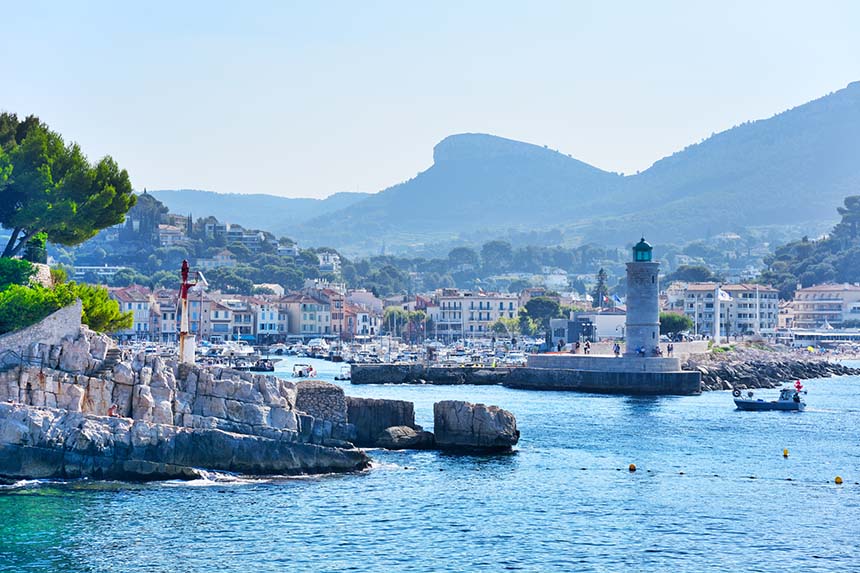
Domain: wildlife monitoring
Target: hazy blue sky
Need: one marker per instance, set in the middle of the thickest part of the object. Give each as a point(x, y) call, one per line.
point(312, 98)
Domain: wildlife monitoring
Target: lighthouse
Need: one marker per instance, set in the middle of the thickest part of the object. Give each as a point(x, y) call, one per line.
point(643, 308)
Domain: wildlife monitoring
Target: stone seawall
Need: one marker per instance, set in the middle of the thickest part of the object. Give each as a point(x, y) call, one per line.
point(537, 378)
point(49, 331)
point(419, 374)
point(606, 363)
point(648, 383)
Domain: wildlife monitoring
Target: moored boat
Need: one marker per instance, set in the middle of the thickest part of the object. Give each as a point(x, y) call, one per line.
point(790, 399)
point(304, 371)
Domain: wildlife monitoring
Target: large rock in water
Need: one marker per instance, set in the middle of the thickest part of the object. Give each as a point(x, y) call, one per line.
point(372, 416)
point(461, 425)
point(48, 443)
point(405, 438)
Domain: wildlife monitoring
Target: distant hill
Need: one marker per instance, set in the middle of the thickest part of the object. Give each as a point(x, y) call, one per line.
point(785, 171)
point(279, 215)
point(782, 174)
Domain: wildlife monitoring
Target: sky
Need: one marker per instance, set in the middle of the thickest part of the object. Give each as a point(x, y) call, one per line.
point(306, 99)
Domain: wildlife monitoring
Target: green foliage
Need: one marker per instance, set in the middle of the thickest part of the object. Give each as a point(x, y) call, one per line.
point(49, 186)
point(35, 250)
point(59, 276)
point(100, 312)
point(671, 323)
point(835, 258)
point(692, 274)
point(15, 272)
point(600, 294)
point(507, 326)
point(22, 306)
point(540, 310)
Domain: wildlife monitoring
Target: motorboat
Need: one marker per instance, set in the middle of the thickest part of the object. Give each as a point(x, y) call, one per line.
point(790, 399)
point(345, 373)
point(304, 371)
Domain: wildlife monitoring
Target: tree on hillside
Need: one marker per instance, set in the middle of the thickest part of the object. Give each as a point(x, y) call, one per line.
point(692, 274)
point(496, 256)
point(49, 186)
point(462, 256)
point(850, 214)
point(600, 294)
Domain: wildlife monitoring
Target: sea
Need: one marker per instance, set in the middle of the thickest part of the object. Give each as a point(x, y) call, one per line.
point(712, 491)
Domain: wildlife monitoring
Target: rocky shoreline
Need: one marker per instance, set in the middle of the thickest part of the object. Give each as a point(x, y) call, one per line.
point(747, 368)
point(75, 409)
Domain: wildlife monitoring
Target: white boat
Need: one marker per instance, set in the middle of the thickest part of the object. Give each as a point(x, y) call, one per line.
point(233, 349)
point(345, 373)
point(304, 371)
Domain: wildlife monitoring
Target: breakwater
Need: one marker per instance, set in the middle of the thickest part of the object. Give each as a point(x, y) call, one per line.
point(745, 368)
point(420, 374)
point(650, 381)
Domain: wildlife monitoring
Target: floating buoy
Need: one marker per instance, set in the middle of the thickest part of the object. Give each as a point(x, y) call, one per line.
point(785, 453)
point(632, 467)
point(838, 480)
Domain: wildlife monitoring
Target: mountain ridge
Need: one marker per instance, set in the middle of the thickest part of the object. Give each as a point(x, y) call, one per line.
point(785, 170)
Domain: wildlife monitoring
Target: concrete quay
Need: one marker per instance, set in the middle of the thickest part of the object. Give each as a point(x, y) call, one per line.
point(581, 373)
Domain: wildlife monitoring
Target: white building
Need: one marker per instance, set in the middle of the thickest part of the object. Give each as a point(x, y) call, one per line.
point(833, 304)
point(741, 305)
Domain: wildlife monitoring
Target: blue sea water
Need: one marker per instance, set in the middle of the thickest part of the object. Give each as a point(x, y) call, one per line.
point(712, 492)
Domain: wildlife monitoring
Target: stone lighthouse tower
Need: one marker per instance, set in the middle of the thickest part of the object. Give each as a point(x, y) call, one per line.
point(643, 309)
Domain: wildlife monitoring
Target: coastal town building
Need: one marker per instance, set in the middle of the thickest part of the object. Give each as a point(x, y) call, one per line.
point(744, 308)
point(329, 262)
point(220, 259)
point(306, 315)
point(135, 299)
point(170, 235)
point(826, 305)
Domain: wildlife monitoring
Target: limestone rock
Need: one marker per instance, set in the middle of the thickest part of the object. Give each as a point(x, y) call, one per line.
point(42, 443)
point(123, 374)
point(75, 355)
point(371, 416)
point(461, 425)
point(405, 438)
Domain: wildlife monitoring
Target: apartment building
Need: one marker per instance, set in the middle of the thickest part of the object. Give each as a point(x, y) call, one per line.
point(740, 305)
point(827, 304)
point(138, 300)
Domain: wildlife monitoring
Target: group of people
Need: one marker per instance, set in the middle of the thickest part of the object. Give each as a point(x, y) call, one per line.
point(616, 349)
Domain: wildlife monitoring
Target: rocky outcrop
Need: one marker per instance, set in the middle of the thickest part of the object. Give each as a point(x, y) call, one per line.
point(405, 438)
point(465, 426)
point(371, 417)
point(253, 421)
point(745, 368)
point(49, 443)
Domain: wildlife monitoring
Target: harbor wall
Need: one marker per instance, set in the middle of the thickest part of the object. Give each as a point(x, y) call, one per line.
point(604, 363)
point(51, 330)
point(420, 374)
point(606, 381)
point(651, 383)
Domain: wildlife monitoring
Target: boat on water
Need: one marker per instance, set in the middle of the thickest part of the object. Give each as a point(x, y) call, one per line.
point(304, 371)
point(345, 373)
point(790, 399)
